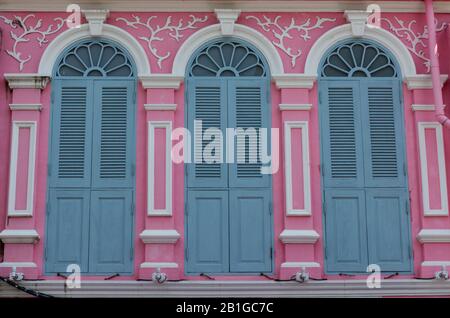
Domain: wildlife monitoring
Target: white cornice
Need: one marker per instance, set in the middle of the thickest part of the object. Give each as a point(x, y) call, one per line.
point(96, 18)
point(299, 265)
point(19, 236)
point(422, 81)
point(227, 18)
point(25, 106)
point(26, 80)
point(210, 5)
point(158, 265)
point(434, 236)
point(171, 107)
point(161, 81)
point(294, 80)
point(159, 236)
point(295, 106)
point(299, 236)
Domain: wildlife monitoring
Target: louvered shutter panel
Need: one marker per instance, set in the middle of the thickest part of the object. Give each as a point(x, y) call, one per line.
point(247, 109)
point(113, 141)
point(70, 164)
point(341, 134)
point(208, 100)
point(384, 151)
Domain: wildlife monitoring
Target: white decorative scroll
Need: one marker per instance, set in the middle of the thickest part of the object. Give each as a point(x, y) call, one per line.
point(415, 40)
point(154, 31)
point(283, 32)
point(25, 30)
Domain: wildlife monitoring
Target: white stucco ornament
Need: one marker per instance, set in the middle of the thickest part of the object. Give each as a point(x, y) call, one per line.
point(227, 18)
point(96, 18)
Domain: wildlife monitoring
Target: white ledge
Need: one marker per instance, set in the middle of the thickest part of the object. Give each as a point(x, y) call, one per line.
point(422, 81)
point(158, 265)
point(160, 236)
point(299, 264)
point(435, 263)
point(26, 80)
point(295, 106)
point(25, 106)
point(434, 236)
point(160, 107)
point(17, 265)
point(161, 81)
point(299, 236)
point(294, 81)
point(19, 236)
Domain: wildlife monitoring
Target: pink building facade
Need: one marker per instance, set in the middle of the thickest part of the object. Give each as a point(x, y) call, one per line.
point(306, 228)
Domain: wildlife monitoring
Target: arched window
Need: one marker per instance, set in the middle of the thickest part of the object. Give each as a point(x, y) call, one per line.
point(91, 161)
point(229, 226)
point(95, 59)
point(358, 59)
point(363, 158)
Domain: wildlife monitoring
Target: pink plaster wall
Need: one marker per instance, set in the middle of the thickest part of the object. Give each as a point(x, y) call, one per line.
point(170, 45)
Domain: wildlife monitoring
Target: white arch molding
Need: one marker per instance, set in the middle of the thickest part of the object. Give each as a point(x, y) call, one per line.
point(331, 37)
point(211, 32)
point(62, 41)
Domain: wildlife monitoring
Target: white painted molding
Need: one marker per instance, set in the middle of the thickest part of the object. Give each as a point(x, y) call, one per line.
point(434, 236)
point(159, 236)
point(244, 5)
point(358, 21)
point(435, 263)
point(171, 107)
point(25, 107)
point(295, 107)
point(227, 18)
point(18, 265)
point(211, 32)
point(422, 107)
point(16, 126)
point(437, 127)
point(422, 81)
point(161, 81)
point(71, 35)
point(158, 265)
point(151, 210)
point(290, 210)
point(299, 236)
point(299, 265)
point(96, 18)
point(294, 80)
point(342, 32)
point(26, 80)
point(10, 236)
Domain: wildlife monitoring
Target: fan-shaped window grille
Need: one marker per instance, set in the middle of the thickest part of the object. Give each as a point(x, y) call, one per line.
point(227, 59)
point(358, 59)
point(95, 59)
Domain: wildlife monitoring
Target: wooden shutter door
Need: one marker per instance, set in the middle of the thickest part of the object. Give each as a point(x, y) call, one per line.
point(344, 208)
point(111, 219)
point(208, 100)
point(250, 230)
point(69, 177)
point(247, 108)
point(385, 173)
point(207, 233)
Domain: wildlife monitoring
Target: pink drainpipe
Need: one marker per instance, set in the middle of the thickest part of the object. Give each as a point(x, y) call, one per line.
point(435, 71)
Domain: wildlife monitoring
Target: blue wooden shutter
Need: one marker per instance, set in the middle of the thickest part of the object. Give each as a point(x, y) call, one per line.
point(383, 146)
point(388, 229)
point(113, 148)
point(208, 100)
point(111, 239)
point(207, 232)
point(341, 134)
point(250, 230)
point(67, 230)
point(248, 108)
point(70, 164)
point(345, 231)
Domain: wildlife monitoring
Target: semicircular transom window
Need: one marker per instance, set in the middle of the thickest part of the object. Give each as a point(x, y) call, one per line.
point(227, 59)
point(358, 59)
point(95, 59)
